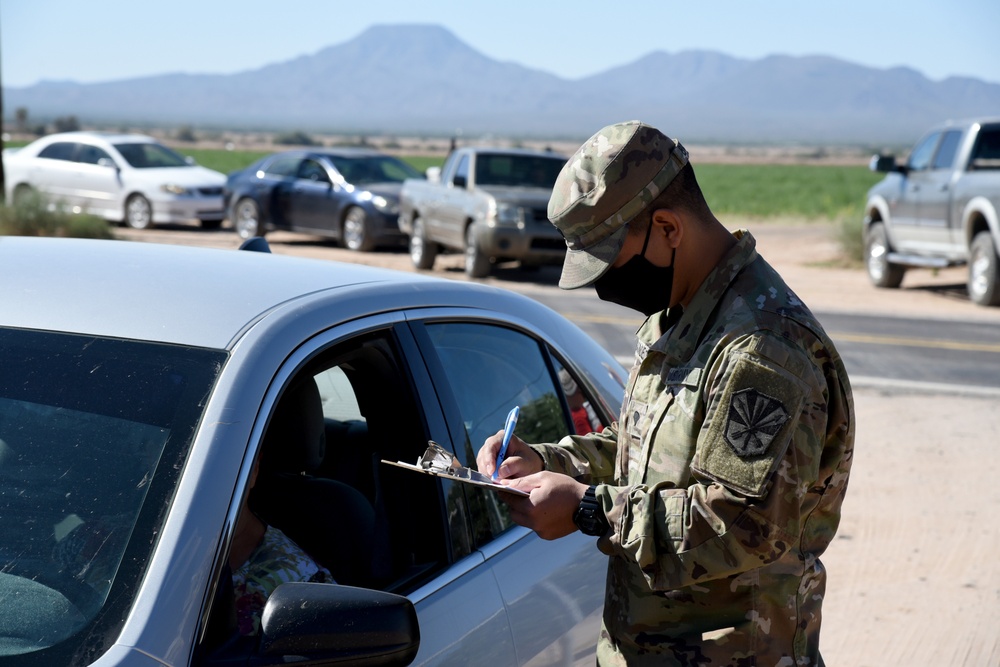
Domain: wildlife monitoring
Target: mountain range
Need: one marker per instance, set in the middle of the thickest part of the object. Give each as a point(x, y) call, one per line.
point(411, 80)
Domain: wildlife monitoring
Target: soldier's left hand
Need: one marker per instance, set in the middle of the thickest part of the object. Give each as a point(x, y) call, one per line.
point(549, 509)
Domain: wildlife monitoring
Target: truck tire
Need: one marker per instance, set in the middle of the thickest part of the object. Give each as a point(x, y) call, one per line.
point(422, 252)
point(984, 274)
point(881, 271)
point(477, 265)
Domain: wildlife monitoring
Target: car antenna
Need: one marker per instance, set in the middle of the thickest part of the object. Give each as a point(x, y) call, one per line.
point(256, 244)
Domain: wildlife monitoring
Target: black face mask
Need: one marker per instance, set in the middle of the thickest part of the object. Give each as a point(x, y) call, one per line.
point(638, 284)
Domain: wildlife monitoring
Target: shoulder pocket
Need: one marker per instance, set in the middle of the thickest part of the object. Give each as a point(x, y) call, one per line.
point(751, 425)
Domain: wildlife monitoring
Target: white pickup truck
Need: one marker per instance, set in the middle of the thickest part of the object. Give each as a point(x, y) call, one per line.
point(939, 208)
point(490, 203)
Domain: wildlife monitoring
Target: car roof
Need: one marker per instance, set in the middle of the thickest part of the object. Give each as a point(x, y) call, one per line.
point(495, 150)
point(110, 137)
point(187, 295)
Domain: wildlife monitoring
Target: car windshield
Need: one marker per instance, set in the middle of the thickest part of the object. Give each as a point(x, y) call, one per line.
point(373, 169)
point(518, 170)
point(148, 156)
point(93, 433)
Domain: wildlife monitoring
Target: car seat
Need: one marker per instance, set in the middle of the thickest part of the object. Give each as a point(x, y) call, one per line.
point(330, 520)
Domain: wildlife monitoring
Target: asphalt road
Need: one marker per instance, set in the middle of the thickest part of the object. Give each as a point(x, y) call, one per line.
point(951, 355)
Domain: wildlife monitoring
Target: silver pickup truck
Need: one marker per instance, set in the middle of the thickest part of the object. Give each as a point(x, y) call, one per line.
point(939, 208)
point(489, 203)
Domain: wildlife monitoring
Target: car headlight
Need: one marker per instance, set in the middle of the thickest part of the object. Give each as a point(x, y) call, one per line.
point(379, 202)
point(508, 214)
point(175, 189)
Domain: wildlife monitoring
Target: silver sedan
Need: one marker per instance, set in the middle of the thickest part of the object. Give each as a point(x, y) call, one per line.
point(152, 395)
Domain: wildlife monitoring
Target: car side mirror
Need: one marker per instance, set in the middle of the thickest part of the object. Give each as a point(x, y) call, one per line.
point(107, 162)
point(883, 163)
point(327, 624)
point(460, 181)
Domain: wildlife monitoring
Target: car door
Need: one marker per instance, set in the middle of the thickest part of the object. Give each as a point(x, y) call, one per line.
point(54, 173)
point(455, 204)
point(98, 181)
point(935, 196)
point(909, 235)
point(315, 200)
point(553, 592)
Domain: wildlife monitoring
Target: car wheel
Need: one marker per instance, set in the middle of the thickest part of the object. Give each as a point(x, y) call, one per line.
point(138, 212)
point(984, 275)
point(881, 271)
point(355, 234)
point(246, 219)
point(422, 252)
point(477, 265)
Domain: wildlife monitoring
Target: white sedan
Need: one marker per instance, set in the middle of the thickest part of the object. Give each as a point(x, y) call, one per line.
point(126, 178)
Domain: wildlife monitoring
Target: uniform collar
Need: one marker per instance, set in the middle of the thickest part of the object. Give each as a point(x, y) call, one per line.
point(680, 340)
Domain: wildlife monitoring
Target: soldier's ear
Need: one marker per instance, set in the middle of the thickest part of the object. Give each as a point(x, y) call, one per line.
point(669, 225)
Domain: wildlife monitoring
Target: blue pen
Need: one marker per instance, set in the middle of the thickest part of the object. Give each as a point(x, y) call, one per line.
point(508, 430)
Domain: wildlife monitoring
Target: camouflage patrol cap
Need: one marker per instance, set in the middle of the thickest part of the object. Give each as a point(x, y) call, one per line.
point(609, 180)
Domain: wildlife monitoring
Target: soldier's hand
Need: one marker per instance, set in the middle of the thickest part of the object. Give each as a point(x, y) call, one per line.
point(549, 508)
point(521, 459)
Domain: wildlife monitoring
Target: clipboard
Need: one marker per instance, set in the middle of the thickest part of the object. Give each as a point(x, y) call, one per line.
point(438, 462)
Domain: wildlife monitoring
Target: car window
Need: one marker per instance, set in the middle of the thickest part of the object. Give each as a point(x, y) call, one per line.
point(944, 158)
point(61, 150)
point(145, 155)
point(311, 170)
point(93, 434)
point(462, 169)
point(920, 157)
point(92, 154)
point(491, 369)
point(373, 169)
point(517, 170)
point(282, 166)
point(986, 153)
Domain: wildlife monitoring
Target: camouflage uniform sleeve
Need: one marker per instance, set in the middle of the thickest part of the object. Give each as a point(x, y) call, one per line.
point(587, 458)
point(754, 471)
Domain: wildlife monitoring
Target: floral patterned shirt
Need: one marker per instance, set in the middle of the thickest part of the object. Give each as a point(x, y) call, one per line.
point(275, 561)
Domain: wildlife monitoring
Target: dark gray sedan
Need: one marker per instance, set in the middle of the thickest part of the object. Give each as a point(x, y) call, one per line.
point(142, 417)
point(347, 194)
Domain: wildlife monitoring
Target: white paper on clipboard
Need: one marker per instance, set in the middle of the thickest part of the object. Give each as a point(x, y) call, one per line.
point(438, 462)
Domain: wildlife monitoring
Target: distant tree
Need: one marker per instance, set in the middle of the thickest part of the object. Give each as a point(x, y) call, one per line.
point(185, 133)
point(66, 124)
point(297, 138)
point(21, 119)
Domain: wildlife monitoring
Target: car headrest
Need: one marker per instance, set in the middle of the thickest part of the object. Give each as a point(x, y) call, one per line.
point(295, 441)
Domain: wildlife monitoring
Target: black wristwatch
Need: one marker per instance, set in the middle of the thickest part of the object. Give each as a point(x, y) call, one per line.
point(589, 516)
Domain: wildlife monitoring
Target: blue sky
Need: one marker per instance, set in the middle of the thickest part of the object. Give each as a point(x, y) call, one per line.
point(104, 40)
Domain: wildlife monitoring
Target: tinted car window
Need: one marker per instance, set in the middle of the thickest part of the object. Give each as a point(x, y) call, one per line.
point(150, 156)
point(920, 158)
point(945, 155)
point(491, 369)
point(61, 150)
point(93, 433)
point(462, 169)
point(376, 169)
point(310, 170)
point(92, 154)
point(282, 167)
point(521, 170)
point(986, 154)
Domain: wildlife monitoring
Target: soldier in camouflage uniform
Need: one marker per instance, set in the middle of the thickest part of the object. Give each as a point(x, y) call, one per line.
point(721, 483)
